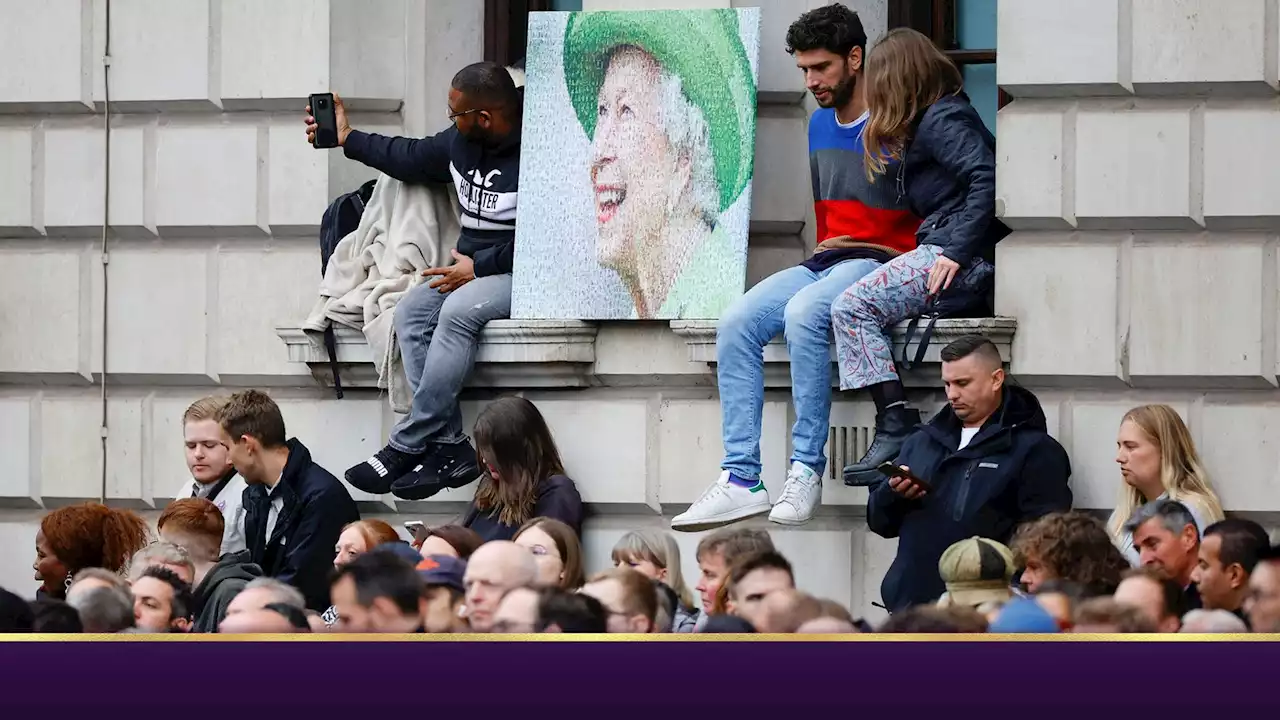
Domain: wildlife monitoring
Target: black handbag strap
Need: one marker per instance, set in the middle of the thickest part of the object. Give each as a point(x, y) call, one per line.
point(930, 317)
point(331, 345)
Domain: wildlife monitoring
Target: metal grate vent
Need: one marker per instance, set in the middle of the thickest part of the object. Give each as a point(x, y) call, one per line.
point(846, 444)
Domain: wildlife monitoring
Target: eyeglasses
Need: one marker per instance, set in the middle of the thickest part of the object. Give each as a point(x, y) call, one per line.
point(456, 115)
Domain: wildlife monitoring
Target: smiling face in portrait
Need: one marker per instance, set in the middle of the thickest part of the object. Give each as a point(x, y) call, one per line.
point(634, 167)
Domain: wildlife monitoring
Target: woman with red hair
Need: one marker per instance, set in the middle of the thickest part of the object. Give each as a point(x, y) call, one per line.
point(89, 535)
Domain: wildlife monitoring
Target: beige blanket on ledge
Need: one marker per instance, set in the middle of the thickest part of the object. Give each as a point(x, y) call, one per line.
point(404, 230)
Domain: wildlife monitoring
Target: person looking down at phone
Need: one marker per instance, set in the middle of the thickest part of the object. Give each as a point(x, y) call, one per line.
point(981, 467)
point(438, 322)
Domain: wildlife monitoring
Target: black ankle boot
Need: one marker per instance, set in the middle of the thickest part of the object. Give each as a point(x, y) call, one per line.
point(893, 427)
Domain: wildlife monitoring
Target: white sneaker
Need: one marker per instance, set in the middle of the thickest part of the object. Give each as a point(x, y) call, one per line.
point(801, 496)
point(723, 503)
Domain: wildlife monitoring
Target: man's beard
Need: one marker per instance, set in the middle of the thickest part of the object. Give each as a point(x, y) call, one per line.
point(842, 93)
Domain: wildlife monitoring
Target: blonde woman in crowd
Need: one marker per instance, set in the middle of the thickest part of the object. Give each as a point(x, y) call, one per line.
point(1158, 459)
point(657, 556)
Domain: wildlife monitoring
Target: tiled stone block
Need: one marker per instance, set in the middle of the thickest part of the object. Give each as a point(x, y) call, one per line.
point(45, 55)
point(1065, 298)
point(1202, 46)
point(71, 448)
point(259, 290)
point(207, 179)
point(338, 434)
point(273, 54)
point(691, 448)
point(781, 189)
point(17, 182)
point(1030, 167)
point(15, 447)
point(298, 184)
point(166, 464)
point(15, 567)
point(43, 334)
point(1241, 195)
point(1179, 334)
point(1095, 476)
point(1238, 443)
point(1062, 49)
point(605, 447)
point(173, 68)
point(158, 314)
point(367, 52)
point(73, 180)
point(1133, 169)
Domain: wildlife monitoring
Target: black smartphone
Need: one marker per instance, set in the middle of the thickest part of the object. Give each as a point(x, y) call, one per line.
point(326, 120)
point(889, 469)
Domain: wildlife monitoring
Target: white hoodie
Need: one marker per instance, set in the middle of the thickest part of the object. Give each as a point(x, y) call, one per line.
point(230, 502)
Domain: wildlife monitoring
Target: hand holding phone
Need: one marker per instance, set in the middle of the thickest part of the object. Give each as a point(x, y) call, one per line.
point(326, 121)
point(903, 482)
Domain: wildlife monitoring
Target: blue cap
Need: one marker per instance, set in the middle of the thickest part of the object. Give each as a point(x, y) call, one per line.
point(1024, 615)
point(442, 571)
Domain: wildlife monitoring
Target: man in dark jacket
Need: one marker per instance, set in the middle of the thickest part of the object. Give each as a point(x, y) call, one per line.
point(294, 509)
point(438, 323)
point(197, 526)
point(982, 466)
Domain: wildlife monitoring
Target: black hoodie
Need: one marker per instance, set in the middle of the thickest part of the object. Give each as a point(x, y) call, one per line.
point(222, 583)
point(1010, 473)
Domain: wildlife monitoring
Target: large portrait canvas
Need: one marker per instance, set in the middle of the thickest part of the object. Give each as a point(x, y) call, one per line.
point(636, 164)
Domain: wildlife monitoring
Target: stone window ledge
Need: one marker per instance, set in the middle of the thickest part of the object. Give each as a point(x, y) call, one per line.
point(512, 353)
point(700, 336)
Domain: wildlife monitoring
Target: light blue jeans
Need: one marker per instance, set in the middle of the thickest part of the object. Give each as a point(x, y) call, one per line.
point(796, 303)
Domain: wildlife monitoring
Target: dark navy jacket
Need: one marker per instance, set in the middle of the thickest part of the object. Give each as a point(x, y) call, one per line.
point(949, 178)
point(300, 549)
point(1012, 472)
point(486, 178)
point(558, 499)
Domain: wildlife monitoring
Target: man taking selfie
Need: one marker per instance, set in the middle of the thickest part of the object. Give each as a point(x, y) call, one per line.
point(438, 322)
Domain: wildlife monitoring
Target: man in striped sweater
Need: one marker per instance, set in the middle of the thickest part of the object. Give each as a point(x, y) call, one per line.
point(860, 226)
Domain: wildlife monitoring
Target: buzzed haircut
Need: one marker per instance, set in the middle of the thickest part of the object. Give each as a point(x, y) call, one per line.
point(765, 560)
point(966, 345)
point(253, 413)
point(383, 575)
point(1173, 601)
point(734, 543)
point(488, 86)
point(1241, 542)
point(199, 522)
point(638, 595)
point(183, 604)
point(834, 28)
point(1173, 516)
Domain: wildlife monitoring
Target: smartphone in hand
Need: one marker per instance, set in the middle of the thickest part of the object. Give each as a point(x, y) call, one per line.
point(889, 469)
point(322, 109)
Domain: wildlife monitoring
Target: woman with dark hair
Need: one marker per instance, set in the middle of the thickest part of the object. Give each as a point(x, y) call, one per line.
point(556, 550)
point(522, 475)
point(452, 540)
point(89, 535)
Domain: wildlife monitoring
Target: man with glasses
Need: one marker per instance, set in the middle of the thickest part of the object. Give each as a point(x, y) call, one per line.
point(628, 597)
point(438, 322)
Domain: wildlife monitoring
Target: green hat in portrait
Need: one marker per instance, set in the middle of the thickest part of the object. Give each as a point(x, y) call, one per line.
point(700, 47)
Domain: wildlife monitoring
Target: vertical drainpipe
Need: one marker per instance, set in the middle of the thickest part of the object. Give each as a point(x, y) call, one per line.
point(106, 209)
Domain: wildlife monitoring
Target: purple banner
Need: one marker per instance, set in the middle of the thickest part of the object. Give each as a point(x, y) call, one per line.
point(760, 677)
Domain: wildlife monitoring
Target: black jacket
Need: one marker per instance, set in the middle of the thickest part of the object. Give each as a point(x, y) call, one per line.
point(222, 583)
point(949, 178)
point(485, 177)
point(558, 498)
point(300, 549)
point(1010, 473)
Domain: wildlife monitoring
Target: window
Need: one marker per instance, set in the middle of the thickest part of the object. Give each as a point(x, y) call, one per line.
point(506, 28)
point(966, 30)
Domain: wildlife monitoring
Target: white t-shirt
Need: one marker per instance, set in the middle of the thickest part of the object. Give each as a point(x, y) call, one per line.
point(966, 436)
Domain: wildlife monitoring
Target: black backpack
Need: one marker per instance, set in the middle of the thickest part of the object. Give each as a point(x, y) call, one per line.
point(340, 219)
point(970, 296)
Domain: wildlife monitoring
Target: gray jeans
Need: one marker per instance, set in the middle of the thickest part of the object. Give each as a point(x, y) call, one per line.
point(438, 336)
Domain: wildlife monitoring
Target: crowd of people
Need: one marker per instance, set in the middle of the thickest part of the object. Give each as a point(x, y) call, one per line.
point(264, 540)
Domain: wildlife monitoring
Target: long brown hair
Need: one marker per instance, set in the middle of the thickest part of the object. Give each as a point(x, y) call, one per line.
point(513, 438)
point(905, 73)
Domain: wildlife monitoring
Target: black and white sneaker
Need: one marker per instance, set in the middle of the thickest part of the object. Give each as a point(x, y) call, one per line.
point(376, 474)
point(447, 466)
